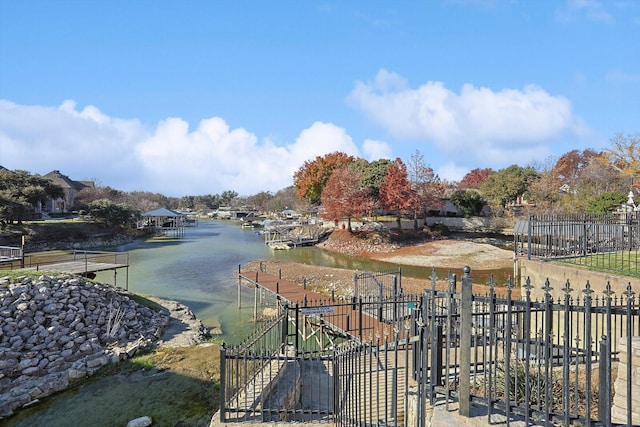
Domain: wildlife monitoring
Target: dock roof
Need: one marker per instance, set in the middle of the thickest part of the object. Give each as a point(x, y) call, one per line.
point(162, 212)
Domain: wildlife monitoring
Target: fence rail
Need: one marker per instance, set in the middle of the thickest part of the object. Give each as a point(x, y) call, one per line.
point(549, 360)
point(606, 242)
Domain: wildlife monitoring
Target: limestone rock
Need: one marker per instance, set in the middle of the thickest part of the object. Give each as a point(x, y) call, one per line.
point(55, 329)
point(140, 422)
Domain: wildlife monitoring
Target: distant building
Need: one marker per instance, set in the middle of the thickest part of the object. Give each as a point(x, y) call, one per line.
point(70, 188)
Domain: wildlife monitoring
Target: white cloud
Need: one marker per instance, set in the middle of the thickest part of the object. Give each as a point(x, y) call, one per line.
point(477, 123)
point(40, 139)
point(171, 159)
point(375, 150)
point(452, 172)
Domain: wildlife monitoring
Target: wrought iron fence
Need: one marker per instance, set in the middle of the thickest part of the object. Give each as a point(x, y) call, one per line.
point(606, 242)
point(549, 360)
point(536, 360)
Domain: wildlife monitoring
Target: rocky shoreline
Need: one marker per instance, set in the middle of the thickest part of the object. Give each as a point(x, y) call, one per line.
point(59, 329)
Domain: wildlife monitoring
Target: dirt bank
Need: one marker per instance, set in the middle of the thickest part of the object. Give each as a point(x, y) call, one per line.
point(447, 253)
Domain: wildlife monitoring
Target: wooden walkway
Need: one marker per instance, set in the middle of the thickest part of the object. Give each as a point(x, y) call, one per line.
point(341, 316)
point(85, 263)
point(77, 267)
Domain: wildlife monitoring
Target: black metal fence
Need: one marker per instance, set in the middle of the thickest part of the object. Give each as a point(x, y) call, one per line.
point(537, 360)
point(606, 242)
point(548, 360)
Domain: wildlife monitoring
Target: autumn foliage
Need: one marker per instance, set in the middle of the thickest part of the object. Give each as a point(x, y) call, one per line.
point(474, 178)
point(396, 193)
point(312, 176)
point(345, 197)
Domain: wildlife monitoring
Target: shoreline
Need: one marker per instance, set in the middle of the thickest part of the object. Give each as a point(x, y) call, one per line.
point(446, 253)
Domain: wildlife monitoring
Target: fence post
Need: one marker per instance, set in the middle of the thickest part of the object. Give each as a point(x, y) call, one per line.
point(465, 343)
point(285, 326)
point(223, 352)
point(604, 391)
point(437, 338)
point(360, 317)
point(297, 328)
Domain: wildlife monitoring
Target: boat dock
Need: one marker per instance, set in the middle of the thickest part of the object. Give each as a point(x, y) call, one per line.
point(10, 253)
point(84, 263)
point(355, 319)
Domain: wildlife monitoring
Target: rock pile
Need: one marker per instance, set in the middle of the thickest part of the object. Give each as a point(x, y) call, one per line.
point(57, 329)
point(365, 242)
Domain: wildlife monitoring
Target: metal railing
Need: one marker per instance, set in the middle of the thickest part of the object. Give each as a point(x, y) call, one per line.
point(606, 242)
point(531, 360)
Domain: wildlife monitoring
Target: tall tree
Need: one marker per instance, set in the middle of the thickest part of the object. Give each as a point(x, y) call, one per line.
point(570, 165)
point(112, 214)
point(624, 154)
point(507, 185)
point(312, 176)
point(373, 173)
point(468, 201)
point(396, 193)
point(20, 192)
point(474, 178)
point(344, 197)
point(227, 197)
point(427, 186)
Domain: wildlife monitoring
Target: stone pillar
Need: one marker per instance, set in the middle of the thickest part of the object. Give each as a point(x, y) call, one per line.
point(619, 412)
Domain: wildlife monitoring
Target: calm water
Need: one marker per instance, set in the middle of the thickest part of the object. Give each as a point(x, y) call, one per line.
point(200, 270)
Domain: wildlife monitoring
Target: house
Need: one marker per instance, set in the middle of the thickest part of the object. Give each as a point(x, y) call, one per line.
point(70, 188)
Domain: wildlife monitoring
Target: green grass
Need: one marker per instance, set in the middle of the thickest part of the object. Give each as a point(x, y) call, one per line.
point(15, 274)
point(143, 301)
point(623, 263)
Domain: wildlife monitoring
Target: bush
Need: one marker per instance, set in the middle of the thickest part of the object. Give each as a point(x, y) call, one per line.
point(440, 229)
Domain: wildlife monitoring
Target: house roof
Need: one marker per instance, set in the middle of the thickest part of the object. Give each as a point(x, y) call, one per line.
point(65, 182)
point(162, 212)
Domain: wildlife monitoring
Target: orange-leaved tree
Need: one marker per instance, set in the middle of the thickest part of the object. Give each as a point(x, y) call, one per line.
point(312, 176)
point(474, 178)
point(396, 193)
point(344, 196)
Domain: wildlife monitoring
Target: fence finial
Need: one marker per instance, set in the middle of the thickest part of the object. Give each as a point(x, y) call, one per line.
point(527, 285)
point(629, 293)
point(567, 288)
point(587, 291)
point(607, 290)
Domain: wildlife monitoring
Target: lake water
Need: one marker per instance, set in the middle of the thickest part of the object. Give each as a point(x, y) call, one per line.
point(200, 270)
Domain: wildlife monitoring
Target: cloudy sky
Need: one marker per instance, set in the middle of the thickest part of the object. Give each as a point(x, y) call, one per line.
point(198, 97)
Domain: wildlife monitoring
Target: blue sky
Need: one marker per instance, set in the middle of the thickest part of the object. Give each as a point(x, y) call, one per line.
point(198, 97)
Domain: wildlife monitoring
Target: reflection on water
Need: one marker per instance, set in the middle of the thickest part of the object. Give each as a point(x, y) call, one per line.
point(200, 270)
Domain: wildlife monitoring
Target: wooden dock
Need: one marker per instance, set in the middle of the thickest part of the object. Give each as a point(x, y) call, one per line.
point(10, 253)
point(77, 267)
point(85, 263)
point(344, 317)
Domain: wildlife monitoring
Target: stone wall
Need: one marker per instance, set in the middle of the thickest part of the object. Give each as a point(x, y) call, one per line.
point(619, 411)
point(57, 329)
point(539, 271)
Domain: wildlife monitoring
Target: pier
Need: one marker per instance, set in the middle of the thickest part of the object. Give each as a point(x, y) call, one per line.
point(84, 263)
point(10, 254)
point(357, 318)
